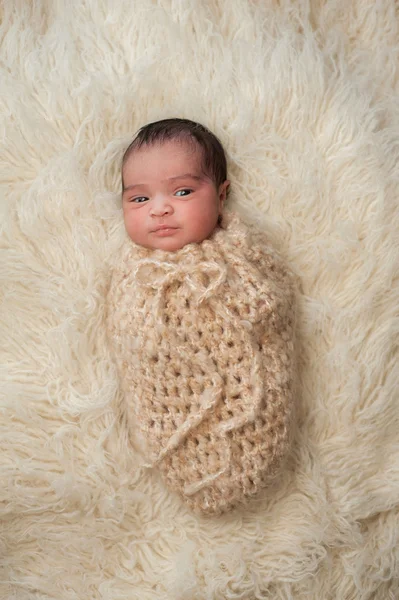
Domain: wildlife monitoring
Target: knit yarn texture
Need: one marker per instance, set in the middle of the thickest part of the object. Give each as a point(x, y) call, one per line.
point(203, 339)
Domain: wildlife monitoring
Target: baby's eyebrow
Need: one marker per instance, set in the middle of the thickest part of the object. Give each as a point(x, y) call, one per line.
point(184, 176)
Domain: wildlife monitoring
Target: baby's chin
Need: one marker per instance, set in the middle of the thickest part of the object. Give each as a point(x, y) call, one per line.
point(168, 245)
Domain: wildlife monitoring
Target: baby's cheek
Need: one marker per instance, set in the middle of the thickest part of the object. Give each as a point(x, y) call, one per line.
point(202, 225)
point(134, 228)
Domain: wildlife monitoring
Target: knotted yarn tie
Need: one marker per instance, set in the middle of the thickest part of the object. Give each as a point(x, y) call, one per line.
point(163, 274)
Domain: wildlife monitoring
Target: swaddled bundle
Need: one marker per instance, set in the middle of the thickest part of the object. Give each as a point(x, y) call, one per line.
point(203, 339)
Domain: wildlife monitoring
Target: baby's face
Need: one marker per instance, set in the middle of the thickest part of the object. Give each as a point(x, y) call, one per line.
point(168, 202)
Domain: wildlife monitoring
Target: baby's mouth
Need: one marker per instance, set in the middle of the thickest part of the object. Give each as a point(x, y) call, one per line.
point(164, 231)
point(163, 228)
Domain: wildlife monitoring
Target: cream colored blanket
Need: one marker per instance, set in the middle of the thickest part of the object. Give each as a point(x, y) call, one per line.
point(304, 96)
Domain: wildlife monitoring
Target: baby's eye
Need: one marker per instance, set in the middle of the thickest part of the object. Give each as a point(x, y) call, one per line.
point(139, 199)
point(184, 192)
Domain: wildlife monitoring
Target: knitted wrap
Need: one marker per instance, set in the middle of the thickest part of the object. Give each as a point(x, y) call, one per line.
point(203, 342)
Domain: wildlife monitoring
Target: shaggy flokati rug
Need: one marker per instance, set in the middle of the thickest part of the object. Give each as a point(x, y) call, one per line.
point(304, 96)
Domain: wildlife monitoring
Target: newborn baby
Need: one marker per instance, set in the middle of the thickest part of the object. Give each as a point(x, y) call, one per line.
point(200, 319)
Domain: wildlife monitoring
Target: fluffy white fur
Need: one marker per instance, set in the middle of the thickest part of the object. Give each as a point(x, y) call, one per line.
point(304, 95)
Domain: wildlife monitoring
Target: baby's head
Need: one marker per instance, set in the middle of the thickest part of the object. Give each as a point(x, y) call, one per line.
point(174, 184)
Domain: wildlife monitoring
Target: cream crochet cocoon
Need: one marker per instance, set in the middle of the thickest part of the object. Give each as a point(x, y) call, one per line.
point(203, 342)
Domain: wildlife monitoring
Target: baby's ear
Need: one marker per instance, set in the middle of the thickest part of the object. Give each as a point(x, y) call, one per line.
point(223, 188)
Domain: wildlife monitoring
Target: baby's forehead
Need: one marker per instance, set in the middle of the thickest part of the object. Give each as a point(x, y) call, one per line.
point(164, 162)
point(174, 150)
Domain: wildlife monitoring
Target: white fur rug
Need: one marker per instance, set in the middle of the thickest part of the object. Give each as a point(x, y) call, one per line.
point(305, 97)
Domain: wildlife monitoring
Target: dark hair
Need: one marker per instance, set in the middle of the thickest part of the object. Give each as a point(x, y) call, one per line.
point(213, 157)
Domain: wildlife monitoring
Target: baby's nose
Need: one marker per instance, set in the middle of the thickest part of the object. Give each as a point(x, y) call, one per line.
point(160, 206)
point(161, 210)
